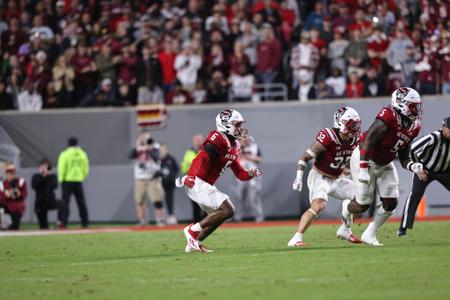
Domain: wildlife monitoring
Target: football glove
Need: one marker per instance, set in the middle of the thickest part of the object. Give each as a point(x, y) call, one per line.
point(297, 185)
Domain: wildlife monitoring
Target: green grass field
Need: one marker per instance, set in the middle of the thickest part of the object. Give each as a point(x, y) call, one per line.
point(251, 263)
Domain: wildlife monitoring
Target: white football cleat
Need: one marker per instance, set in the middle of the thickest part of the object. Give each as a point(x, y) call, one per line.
point(203, 249)
point(370, 239)
point(346, 233)
point(191, 238)
point(296, 242)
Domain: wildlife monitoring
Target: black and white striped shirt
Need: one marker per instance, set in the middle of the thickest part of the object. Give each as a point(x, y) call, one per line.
point(433, 151)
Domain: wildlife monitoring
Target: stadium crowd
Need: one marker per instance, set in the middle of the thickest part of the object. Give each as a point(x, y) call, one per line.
point(71, 53)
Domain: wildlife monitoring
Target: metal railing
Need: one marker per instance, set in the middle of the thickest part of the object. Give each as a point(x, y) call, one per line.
point(263, 92)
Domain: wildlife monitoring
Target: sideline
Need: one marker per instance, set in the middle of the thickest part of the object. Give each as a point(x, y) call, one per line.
point(153, 228)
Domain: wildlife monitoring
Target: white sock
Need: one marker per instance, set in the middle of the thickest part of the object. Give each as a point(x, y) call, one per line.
point(196, 227)
point(379, 219)
point(298, 236)
point(346, 215)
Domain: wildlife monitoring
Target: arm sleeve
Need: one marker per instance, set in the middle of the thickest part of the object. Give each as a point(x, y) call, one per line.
point(239, 171)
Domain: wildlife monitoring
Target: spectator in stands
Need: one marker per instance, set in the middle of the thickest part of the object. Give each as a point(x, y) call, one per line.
point(445, 69)
point(178, 95)
point(343, 19)
point(356, 53)
point(242, 84)
point(237, 58)
point(217, 91)
point(167, 60)
point(336, 51)
point(427, 67)
point(41, 30)
point(29, 99)
point(106, 62)
point(150, 94)
point(13, 193)
point(6, 98)
point(269, 56)
point(199, 93)
point(249, 40)
point(408, 67)
point(315, 18)
point(84, 67)
point(63, 81)
point(73, 168)
point(124, 96)
point(217, 20)
point(396, 52)
point(13, 37)
point(147, 182)
point(187, 65)
point(189, 155)
point(304, 61)
point(321, 90)
point(45, 183)
point(102, 96)
point(326, 32)
point(355, 87)
point(126, 73)
point(169, 171)
point(377, 45)
point(373, 84)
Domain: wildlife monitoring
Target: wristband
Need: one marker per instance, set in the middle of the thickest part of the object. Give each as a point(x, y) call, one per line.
point(310, 153)
point(299, 174)
point(408, 165)
point(301, 162)
point(364, 164)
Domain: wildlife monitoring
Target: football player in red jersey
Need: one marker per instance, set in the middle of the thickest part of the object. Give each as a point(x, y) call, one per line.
point(372, 167)
point(332, 151)
point(219, 152)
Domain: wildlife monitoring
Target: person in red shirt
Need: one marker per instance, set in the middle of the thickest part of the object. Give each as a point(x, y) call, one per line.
point(219, 152)
point(269, 56)
point(355, 88)
point(331, 152)
point(167, 59)
point(13, 193)
point(372, 166)
point(376, 48)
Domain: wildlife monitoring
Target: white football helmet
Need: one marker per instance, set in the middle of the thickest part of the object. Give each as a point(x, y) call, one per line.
point(347, 121)
point(230, 121)
point(407, 102)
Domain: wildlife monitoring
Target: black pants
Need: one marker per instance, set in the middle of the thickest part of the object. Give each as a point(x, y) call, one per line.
point(15, 218)
point(169, 190)
point(41, 211)
point(76, 189)
point(418, 189)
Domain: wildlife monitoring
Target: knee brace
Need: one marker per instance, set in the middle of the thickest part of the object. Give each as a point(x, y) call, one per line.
point(389, 204)
point(158, 204)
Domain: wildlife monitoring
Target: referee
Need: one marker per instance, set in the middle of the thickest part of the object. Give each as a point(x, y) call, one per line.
point(433, 153)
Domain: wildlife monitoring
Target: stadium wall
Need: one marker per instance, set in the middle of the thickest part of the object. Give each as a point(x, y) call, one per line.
point(283, 130)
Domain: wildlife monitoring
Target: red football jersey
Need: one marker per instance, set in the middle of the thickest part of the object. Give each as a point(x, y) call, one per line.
point(338, 152)
point(228, 155)
point(396, 138)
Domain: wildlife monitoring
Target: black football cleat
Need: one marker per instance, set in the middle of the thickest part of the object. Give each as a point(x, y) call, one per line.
point(401, 232)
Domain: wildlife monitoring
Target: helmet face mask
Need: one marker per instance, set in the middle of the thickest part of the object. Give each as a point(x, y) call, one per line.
point(230, 122)
point(347, 121)
point(407, 102)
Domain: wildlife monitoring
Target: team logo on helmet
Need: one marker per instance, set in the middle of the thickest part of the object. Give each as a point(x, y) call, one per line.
point(401, 93)
point(225, 116)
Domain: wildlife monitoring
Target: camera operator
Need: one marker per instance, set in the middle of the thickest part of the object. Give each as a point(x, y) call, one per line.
point(13, 192)
point(44, 184)
point(147, 175)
